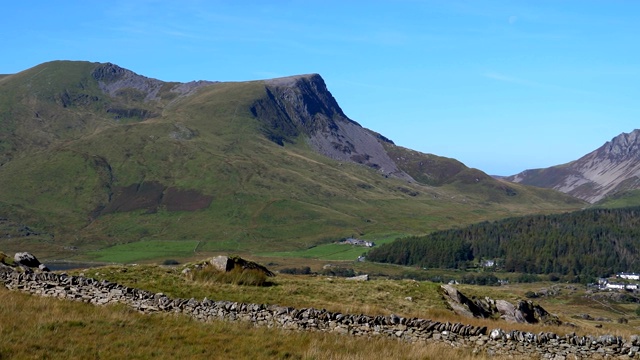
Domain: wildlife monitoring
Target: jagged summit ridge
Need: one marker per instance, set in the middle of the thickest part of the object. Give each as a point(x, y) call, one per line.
point(623, 145)
point(612, 168)
point(113, 78)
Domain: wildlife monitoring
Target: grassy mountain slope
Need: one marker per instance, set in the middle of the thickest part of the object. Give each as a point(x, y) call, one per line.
point(94, 155)
point(621, 199)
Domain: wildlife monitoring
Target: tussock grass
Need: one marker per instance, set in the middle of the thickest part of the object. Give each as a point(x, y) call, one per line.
point(33, 327)
point(7, 260)
point(338, 348)
point(407, 298)
point(237, 276)
point(377, 297)
point(46, 328)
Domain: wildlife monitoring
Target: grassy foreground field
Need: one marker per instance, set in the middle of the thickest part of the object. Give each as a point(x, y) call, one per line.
point(39, 328)
point(408, 298)
point(34, 327)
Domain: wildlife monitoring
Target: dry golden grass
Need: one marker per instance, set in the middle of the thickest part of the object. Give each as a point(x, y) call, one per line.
point(384, 297)
point(569, 304)
point(32, 327)
point(377, 297)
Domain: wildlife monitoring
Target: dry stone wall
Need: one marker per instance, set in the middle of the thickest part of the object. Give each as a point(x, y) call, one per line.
point(544, 345)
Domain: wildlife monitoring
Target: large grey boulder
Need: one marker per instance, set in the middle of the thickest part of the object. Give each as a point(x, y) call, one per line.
point(481, 308)
point(507, 310)
point(226, 263)
point(222, 263)
point(521, 312)
point(530, 312)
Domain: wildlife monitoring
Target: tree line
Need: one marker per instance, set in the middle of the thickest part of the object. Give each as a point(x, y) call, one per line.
point(593, 242)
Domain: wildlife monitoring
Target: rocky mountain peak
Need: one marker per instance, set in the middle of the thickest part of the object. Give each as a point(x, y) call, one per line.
point(113, 78)
point(292, 81)
point(301, 107)
point(623, 145)
point(610, 169)
point(309, 93)
point(109, 72)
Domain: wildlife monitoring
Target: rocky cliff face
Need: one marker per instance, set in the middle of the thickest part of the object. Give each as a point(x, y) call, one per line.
point(612, 168)
point(301, 108)
point(302, 105)
point(113, 80)
point(521, 312)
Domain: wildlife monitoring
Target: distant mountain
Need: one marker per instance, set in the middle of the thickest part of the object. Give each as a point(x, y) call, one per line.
point(92, 154)
point(612, 169)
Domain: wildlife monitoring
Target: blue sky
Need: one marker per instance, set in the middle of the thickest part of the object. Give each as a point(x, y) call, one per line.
point(502, 86)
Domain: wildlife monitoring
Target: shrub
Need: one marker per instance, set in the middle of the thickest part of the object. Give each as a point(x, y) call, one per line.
point(527, 278)
point(170, 262)
point(554, 277)
point(480, 279)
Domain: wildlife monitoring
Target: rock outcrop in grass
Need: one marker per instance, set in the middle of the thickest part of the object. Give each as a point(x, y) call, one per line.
point(547, 345)
point(524, 311)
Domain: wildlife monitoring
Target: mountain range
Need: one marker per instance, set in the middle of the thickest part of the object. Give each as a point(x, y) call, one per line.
point(93, 155)
point(610, 171)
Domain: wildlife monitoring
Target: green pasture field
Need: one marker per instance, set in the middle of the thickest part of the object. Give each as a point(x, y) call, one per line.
point(333, 251)
point(325, 252)
point(146, 250)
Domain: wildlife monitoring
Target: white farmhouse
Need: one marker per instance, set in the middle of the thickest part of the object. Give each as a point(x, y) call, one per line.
point(611, 286)
point(628, 276)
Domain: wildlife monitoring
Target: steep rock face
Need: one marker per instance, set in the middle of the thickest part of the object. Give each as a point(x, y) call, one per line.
point(612, 168)
point(302, 105)
point(113, 79)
